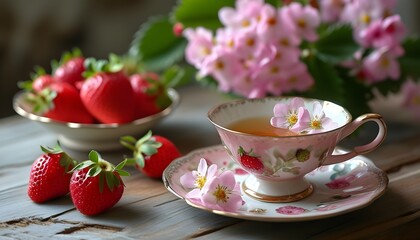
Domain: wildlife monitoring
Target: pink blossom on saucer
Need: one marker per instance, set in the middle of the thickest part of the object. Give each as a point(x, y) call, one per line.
point(222, 193)
point(196, 179)
point(291, 210)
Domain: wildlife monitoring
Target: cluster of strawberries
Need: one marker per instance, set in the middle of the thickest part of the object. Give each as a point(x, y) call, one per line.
point(87, 90)
point(95, 185)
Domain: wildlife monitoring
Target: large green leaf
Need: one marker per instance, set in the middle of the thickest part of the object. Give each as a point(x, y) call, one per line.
point(410, 62)
point(336, 44)
point(203, 13)
point(156, 46)
point(356, 95)
point(328, 84)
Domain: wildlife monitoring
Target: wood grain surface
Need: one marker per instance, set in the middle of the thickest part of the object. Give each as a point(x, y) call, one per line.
point(148, 211)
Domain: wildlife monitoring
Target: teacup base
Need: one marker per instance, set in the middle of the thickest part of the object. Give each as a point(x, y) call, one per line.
point(275, 191)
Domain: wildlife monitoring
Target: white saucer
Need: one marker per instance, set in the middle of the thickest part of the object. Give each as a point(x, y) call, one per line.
point(338, 188)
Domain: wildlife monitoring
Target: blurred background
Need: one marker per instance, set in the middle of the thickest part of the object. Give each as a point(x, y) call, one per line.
point(35, 32)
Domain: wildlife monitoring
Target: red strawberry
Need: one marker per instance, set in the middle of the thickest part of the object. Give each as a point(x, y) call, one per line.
point(151, 94)
point(61, 102)
point(249, 162)
point(96, 184)
point(151, 153)
point(39, 80)
point(70, 68)
point(107, 93)
point(49, 177)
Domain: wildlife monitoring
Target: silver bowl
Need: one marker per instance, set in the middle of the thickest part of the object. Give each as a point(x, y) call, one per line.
point(93, 136)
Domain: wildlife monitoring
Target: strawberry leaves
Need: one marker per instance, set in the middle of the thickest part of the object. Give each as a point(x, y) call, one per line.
point(65, 160)
point(93, 65)
point(98, 167)
point(145, 146)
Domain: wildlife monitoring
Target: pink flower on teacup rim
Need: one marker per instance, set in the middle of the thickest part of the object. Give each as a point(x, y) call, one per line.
point(298, 118)
point(288, 115)
point(211, 189)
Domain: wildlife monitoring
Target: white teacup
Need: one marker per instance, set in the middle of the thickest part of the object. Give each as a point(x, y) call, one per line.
point(278, 164)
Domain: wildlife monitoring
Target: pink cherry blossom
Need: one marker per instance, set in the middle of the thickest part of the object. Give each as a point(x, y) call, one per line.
point(379, 65)
point(384, 33)
point(331, 9)
point(222, 193)
point(245, 15)
point(200, 44)
point(411, 93)
point(302, 19)
point(361, 13)
point(196, 179)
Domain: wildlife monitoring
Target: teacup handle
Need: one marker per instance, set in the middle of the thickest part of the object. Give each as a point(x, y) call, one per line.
point(350, 128)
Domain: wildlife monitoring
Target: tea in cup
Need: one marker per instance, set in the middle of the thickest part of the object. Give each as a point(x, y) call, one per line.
point(278, 140)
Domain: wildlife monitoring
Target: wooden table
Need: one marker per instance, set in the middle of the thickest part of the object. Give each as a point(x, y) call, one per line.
point(148, 211)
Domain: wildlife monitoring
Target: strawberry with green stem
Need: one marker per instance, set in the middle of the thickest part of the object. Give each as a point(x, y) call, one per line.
point(39, 80)
point(70, 68)
point(151, 153)
point(49, 177)
point(59, 101)
point(250, 162)
point(151, 94)
point(96, 184)
point(107, 92)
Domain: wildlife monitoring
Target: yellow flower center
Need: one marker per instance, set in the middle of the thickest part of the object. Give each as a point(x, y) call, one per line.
point(365, 18)
point(315, 124)
point(200, 181)
point(205, 51)
point(220, 65)
point(245, 23)
point(384, 63)
point(301, 23)
point(250, 42)
point(221, 194)
point(274, 69)
point(285, 42)
point(271, 21)
point(292, 119)
point(416, 100)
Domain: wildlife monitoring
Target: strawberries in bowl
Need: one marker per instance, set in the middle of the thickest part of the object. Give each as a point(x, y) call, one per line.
point(93, 113)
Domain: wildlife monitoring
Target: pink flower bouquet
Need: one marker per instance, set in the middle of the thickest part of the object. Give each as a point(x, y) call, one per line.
point(336, 50)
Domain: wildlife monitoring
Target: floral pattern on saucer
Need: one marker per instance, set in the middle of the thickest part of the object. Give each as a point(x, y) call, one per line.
point(338, 188)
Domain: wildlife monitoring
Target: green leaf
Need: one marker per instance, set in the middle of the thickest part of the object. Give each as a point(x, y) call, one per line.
point(94, 156)
point(121, 165)
point(94, 171)
point(410, 62)
point(356, 95)
point(122, 172)
point(177, 76)
point(82, 165)
point(156, 46)
point(274, 3)
point(109, 177)
point(336, 44)
point(328, 85)
point(202, 13)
